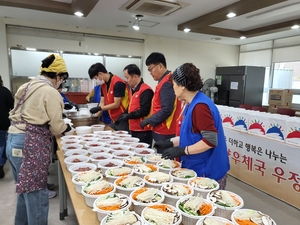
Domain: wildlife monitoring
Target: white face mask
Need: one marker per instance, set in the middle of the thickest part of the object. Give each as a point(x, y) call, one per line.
point(100, 82)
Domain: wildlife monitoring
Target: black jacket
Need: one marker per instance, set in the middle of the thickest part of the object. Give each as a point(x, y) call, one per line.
point(6, 104)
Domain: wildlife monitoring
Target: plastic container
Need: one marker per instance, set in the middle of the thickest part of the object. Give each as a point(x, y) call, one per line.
point(112, 178)
point(112, 143)
point(81, 167)
point(122, 136)
point(97, 157)
point(144, 151)
point(99, 149)
point(102, 213)
point(83, 130)
point(80, 184)
point(134, 160)
point(85, 140)
point(254, 215)
point(224, 211)
point(94, 144)
point(138, 169)
point(72, 147)
point(182, 175)
point(103, 133)
point(216, 218)
point(203, 185)
point(175, 210)
point(139, 183)
point(139, 206)
point(122, 154)
point(139, 145)
point(75, 159)
point(70, 137)
point(189, 219)
point(130, 140)
point(107, 164)
point(97, 127)
point(172, 199)
point(115, 148)
point(76, 152)
point(124, 214)
point(154, 158)
point(156, 184)
point(120, 132)
point(165, 169)
point(82, 136)
point(90, 199)
point(68, 142)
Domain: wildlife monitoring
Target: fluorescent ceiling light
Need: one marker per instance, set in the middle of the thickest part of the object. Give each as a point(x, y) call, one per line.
point(295, 27)
point(242, 37)
point(31, 49)
point(78, 13)
point(231, 14)
point(186, 30)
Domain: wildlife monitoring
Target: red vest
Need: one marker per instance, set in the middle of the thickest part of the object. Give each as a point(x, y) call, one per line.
point(109, 98)
point(168, 126)
point(134, 124)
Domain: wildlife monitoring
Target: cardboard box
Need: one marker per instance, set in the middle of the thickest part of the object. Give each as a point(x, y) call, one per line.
point(274, 108)
point(282, 97)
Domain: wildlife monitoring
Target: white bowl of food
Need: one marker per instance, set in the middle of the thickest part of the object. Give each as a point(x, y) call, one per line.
point(106, 138)
point(103, 133)
point(118, 147)
point(144, 151)
point(97, 157)
point(139, 145)
point(70, 133)
point(154, 158)
point(75, 159)
point(112, 143)
point(134, 160)
point(120, 132)
point(113, 173)
point(111, 203)
point(130, 140)
point(82, 167)
point(214, 220)
point(122, 136)
point(157, 179)
point(93, 144)
point(182, 175)
point(144, 196)
point(82, 136)
point(194, 208)
point(91, 191)
point(99, 149)
point(174, 191)
point(85, 140)
point(83, 178)
point(97, 127)
point(122, 154)
point(161, 214)
point(203, 185)
point(72, 147)
point(68, 142)
point(109, 163)
point(122, 217)
point(226, 202)
point(142, 169)
point(70, 137)
point(83, 130)
point(127, 184)
point(166, 165)
point(76, 152)
point(250, 216)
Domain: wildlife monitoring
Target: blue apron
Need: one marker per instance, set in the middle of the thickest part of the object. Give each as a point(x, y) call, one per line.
point(97, 97)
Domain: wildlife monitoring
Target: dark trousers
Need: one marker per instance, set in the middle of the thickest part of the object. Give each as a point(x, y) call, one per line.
point(160, 137)
point(144, 136)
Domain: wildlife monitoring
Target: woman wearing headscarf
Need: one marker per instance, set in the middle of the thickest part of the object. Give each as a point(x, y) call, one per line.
point(36, 116)
point(201, 146)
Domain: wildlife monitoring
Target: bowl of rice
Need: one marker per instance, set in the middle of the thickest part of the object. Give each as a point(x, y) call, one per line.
point(111, 203)
point(113, 173)
point(91, 191)
point(81, 179)
point(127, 184)
point(144, 196)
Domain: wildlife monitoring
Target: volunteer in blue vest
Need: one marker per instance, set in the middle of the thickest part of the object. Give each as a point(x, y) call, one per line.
point(202, 145)
point(114, 94)
point(141, 95)
point(165, 106)
point(94, 97)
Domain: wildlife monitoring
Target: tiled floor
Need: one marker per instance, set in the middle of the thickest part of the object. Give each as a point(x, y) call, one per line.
point(281, 212)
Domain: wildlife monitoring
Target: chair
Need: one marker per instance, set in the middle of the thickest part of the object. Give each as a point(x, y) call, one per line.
point(285, 111)
point(245, 106)
point(259, 108)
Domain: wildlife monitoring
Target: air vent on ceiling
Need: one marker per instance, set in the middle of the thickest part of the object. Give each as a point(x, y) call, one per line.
point(151, 7)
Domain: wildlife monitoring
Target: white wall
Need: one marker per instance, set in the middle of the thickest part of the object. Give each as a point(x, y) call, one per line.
point(177, 51)
point(4, 67)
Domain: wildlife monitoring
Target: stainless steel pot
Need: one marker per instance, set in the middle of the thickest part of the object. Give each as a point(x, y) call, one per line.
point(83, 120)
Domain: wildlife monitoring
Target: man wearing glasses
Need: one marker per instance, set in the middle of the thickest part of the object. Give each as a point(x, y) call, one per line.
point(165, 106)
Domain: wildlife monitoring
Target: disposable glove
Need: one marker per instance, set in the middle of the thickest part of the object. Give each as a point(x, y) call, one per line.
point(122, 118)
point(95, 109)
point(77, 107)
point(162, 145)
point(171, 153)
point(68, 129)
point(68, 106)
point(144, 123)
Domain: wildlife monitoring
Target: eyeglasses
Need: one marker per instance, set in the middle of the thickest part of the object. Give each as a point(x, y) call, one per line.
point(150, 69)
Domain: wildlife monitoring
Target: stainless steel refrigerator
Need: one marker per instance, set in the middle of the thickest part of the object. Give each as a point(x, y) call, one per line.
point(239, 85)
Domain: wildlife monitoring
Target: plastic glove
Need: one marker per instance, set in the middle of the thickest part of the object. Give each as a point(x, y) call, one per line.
point(76, 106)
point(162, 145)
point(64, 116)
point(68, 106)
point(144, 123)
point(171, 153)
point(68, 129)
point(122, 118)
point(95, 109)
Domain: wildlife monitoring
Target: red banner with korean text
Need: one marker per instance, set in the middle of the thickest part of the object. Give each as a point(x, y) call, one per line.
point(267, 164)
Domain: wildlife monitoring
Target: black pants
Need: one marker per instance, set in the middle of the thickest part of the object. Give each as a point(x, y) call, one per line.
point(144, 136)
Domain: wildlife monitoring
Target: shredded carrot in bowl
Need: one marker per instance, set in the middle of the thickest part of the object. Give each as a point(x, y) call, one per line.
point(110, 208)
point(137, 192)
point(161, 207)
point(205, 209)
point(244, 222)
point(103, 191)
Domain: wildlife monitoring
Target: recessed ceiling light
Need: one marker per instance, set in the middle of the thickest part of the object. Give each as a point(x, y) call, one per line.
point(78, 13)
point(186, 30)
point(295, 27)
point(231, 14)
point(242, 37)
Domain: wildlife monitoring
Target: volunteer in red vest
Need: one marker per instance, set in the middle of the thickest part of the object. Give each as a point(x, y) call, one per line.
point(165, 106)
point(139, 108)
point(114, 94)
